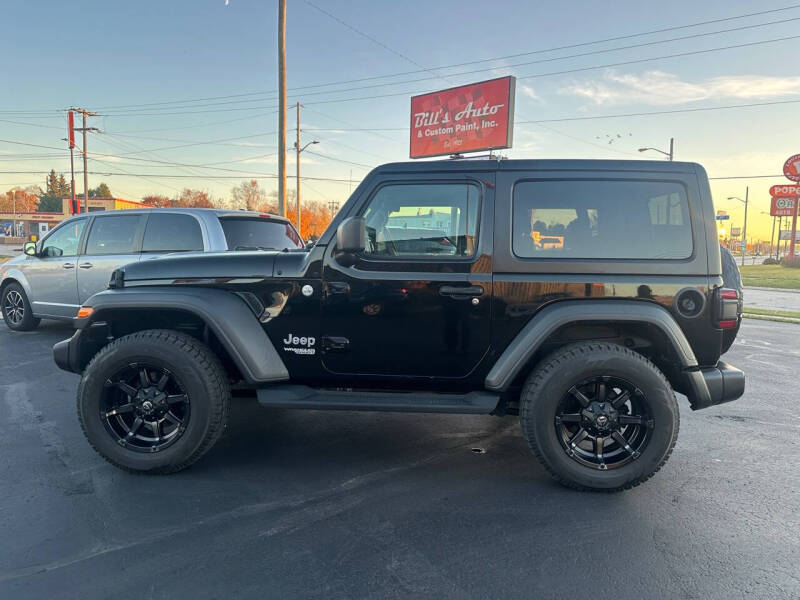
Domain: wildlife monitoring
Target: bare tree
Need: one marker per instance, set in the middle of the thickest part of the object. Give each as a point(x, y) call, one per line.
point(248, 195)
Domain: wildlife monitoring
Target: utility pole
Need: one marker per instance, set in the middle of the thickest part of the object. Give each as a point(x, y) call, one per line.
point(71, 140)
point(671, 148)
point(744, 229)
point(85, 113)
point(297, 165)
point(282, 107)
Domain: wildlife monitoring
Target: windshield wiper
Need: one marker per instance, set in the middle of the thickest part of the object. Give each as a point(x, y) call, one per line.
point(237, 248)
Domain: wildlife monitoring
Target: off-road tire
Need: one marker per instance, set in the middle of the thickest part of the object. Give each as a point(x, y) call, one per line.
point(28, 322)
point(203, 377)
point(550, 381)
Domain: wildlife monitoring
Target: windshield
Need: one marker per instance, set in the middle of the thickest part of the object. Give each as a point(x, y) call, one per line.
point(259, 233)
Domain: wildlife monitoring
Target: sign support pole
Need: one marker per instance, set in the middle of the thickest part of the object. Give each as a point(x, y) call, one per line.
point(772, 239)
point(794, 230)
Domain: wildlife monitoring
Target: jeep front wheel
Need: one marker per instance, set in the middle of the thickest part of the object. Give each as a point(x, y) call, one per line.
point(599, 416)
point(153, 401)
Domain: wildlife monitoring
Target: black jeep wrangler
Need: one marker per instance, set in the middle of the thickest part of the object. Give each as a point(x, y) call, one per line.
point(575, 294)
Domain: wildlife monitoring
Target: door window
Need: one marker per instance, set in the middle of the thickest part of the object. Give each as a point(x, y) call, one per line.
point(64, 240)
point(437, 220)
point(113, 235)
point(172, 233)
point(601, 219)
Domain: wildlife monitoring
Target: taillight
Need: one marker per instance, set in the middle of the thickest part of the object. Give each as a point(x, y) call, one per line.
point(727, 308)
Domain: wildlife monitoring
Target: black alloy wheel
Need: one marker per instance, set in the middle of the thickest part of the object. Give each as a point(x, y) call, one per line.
point(145, 408)
point(603, 422)
point(153, 401)
point(599, 416)
point(14, 307)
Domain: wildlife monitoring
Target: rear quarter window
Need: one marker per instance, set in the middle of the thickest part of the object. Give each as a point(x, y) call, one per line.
point(172, 233)
point(243, 233)
point(601, 219)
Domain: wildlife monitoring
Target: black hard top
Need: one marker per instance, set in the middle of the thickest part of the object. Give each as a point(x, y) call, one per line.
point(467, 164)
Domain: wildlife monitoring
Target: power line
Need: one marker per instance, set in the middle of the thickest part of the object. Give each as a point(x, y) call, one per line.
point(140, 112)
point(493, 59)
point(659, 112)
point(341, 160)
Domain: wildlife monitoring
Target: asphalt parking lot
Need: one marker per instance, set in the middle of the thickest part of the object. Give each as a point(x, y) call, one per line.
point(368, 505)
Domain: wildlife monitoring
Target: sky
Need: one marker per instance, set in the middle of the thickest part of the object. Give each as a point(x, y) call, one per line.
point(194, 82)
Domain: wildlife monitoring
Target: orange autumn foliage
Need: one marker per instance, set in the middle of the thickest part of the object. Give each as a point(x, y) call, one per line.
point(314, 218)
point(19, 200)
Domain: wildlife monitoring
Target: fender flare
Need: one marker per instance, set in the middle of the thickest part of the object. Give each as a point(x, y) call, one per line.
point(19, 277)
point(227, 315)
point(558, 314)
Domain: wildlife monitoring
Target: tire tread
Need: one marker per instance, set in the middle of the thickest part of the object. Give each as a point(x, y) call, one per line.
point(553, 363)
point(219, 393)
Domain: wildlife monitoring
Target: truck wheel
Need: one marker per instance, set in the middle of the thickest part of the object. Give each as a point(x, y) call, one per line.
point(153, 401)
point(16, 309)
point(599, 416)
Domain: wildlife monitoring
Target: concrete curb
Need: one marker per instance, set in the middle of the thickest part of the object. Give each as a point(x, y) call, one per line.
point(769, 289)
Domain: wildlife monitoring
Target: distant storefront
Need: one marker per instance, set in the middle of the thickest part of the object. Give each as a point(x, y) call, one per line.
point(32, 226)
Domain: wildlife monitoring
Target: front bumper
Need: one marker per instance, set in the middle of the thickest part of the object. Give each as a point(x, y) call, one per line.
point(714, 385)
point(66, 353)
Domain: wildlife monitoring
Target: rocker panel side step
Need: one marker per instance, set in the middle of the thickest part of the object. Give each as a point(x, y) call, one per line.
point(301, 396)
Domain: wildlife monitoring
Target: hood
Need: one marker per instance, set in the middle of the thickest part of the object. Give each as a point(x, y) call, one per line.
point(10, 263)
point(221, 265)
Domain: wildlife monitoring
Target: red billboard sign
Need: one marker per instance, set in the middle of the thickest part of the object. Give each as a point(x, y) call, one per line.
point(791, 168)
point(71, 128)
point(781, 207)
point(784, 191)
point(468, 118)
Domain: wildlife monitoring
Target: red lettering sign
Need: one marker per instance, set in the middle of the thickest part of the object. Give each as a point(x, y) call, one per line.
point(784, 191)
point(791, 168)
point(781, 207)
point(479, 116)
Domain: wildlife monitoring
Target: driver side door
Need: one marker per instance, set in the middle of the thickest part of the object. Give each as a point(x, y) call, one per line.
point(417, 301)
point(52, 274)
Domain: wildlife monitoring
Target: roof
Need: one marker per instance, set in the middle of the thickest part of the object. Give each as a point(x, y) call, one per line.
point(107, 198)
point(467, 164)
point(219, 212)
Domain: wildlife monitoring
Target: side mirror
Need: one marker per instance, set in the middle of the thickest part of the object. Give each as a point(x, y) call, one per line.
point(29, 248)
point(351, 236)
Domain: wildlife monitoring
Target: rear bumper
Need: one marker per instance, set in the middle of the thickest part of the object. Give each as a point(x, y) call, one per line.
point(66, 353)
point(715, 385)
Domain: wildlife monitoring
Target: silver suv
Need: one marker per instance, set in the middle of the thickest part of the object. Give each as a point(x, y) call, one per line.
point(75, 260)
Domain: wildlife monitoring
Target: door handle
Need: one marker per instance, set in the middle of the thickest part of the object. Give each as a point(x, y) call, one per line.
point(338, 287)
point(86, 265)
point(68, 265)
point(462, 292)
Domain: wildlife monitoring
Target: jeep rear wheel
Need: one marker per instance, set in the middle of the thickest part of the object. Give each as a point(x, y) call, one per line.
point(153, 401)
point(599, 416)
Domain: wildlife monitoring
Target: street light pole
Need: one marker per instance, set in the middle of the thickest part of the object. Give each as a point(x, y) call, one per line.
point(670, 155)
point(299, 149)
point(744, 228)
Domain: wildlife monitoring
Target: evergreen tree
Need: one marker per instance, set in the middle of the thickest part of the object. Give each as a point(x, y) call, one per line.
point(101, 191)
point(52, 183)
point(64, 189)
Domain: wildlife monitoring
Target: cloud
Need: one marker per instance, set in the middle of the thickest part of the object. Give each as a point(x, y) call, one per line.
point(662, 89)
point(530, 93)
